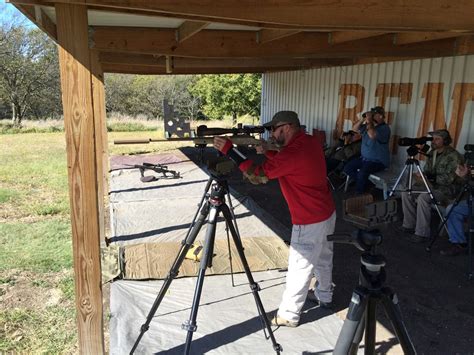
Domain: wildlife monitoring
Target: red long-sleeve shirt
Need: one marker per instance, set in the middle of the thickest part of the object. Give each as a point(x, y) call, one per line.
point(300, 168)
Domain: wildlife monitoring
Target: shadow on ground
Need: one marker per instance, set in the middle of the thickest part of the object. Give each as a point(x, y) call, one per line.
point(436, 298)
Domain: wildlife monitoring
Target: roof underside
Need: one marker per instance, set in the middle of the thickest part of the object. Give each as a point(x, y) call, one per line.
point(189, 37)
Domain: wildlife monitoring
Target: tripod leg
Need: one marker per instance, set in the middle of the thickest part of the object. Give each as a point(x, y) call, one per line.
point(393, 189)
point(190, 325)
point(253, 285)
point(390, 303)
point(470, 232)
point(370, 326)
point(347, 338)
point(173, 272)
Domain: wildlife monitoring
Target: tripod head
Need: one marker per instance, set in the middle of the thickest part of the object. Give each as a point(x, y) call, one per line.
point(361, 239)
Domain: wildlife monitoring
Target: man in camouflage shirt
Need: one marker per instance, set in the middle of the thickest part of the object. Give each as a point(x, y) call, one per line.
point(440, 172)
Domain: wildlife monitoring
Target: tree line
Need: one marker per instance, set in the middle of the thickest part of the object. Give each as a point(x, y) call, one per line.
point(30, 85)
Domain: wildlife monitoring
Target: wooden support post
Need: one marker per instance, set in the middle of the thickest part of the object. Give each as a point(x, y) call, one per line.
point(80, 129)
point(98, 98)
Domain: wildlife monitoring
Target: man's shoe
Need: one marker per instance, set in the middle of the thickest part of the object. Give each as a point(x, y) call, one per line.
point(454, 249)
point(312, 298)
point(402, 229)
point(282, 322)
point(415, 238)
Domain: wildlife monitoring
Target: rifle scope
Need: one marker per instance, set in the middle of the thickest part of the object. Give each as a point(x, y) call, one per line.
point(205, 131)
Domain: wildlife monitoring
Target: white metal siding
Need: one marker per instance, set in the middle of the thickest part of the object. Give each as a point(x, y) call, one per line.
point(314, 94)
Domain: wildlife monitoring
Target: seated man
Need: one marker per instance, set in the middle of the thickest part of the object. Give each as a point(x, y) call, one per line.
point(375, 154)
point(455, 221)
point(348, 148)
point(440, 170)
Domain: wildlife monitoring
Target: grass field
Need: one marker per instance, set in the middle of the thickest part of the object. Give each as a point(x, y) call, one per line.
point(37, 309)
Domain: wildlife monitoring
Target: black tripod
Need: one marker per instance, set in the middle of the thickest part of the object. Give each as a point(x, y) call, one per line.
point(468, 189)
point(409, 164)
point(366, 296)
point(214, 204)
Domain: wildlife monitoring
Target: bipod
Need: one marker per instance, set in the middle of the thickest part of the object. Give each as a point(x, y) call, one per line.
point(409, 164)
point(361, 316)
point(213, 204)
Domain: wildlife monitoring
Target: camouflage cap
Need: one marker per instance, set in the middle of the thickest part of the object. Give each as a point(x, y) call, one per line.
point(283, 117)
point(443, 133)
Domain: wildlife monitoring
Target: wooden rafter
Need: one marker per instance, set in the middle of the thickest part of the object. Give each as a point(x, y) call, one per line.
point(384, 15)
point(36, 15)
point(221, 44)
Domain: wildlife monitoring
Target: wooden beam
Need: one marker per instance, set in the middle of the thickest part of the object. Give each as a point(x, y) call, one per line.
point(264, 36)
point(79, 126)
point(383, 15)
point(39, 17)
point(156, 70)
point(220, 44)
point(100, 126)
point(188, 29)
point(178, 62)
point(416, 37)
point(347, 36)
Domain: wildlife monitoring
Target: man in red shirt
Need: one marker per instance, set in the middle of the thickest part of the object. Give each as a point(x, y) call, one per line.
point(301, 171)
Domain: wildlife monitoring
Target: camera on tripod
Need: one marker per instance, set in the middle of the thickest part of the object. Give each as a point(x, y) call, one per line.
point(412, 144)
point(406, 142)
point(469, 158)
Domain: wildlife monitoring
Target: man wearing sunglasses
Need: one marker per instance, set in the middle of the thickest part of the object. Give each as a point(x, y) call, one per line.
point(300, 169)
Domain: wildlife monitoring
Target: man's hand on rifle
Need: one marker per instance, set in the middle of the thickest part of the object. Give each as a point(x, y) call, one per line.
point(222, 144)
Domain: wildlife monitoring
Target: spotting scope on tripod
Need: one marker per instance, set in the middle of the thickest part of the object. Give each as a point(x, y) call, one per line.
point(410, 165)
point(369, 292)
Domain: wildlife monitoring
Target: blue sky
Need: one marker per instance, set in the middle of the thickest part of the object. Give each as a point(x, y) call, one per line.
point(8, 12)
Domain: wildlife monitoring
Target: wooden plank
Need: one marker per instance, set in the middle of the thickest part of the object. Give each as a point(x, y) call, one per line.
point(188, 29)
point(80, 131)
point(180, 62)
point(347, 36)
point(100, 124)
point(384, 15)
point(169, 64)
point(229, 44)
point(268, 35)
point(149, 70)
point(416, 37)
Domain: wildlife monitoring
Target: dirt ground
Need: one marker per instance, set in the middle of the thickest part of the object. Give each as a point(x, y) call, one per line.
point(435, 295)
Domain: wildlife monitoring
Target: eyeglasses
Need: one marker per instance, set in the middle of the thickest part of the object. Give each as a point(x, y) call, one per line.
point(274, 128)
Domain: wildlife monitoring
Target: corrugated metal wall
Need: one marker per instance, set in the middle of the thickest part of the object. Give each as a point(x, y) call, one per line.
point(418, 95)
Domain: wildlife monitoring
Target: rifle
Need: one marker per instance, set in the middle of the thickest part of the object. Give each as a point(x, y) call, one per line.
point(205, 136)
point(159, 168)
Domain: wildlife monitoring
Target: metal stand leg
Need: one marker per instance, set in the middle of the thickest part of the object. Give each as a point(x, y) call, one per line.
point(206, 261)
point(253, 285)
point(186, 245)
point(390, 304)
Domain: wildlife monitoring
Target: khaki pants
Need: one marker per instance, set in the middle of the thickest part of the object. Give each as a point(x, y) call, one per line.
point(417, 211)
point(310, 254)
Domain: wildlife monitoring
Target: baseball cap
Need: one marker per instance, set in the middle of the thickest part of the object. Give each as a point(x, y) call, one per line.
point(283, 117)
point(443, 133)
point(378, 109)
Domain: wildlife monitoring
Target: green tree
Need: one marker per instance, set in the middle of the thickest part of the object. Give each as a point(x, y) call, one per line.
point(229, 94)
point(29, 72)
point(140, 94)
